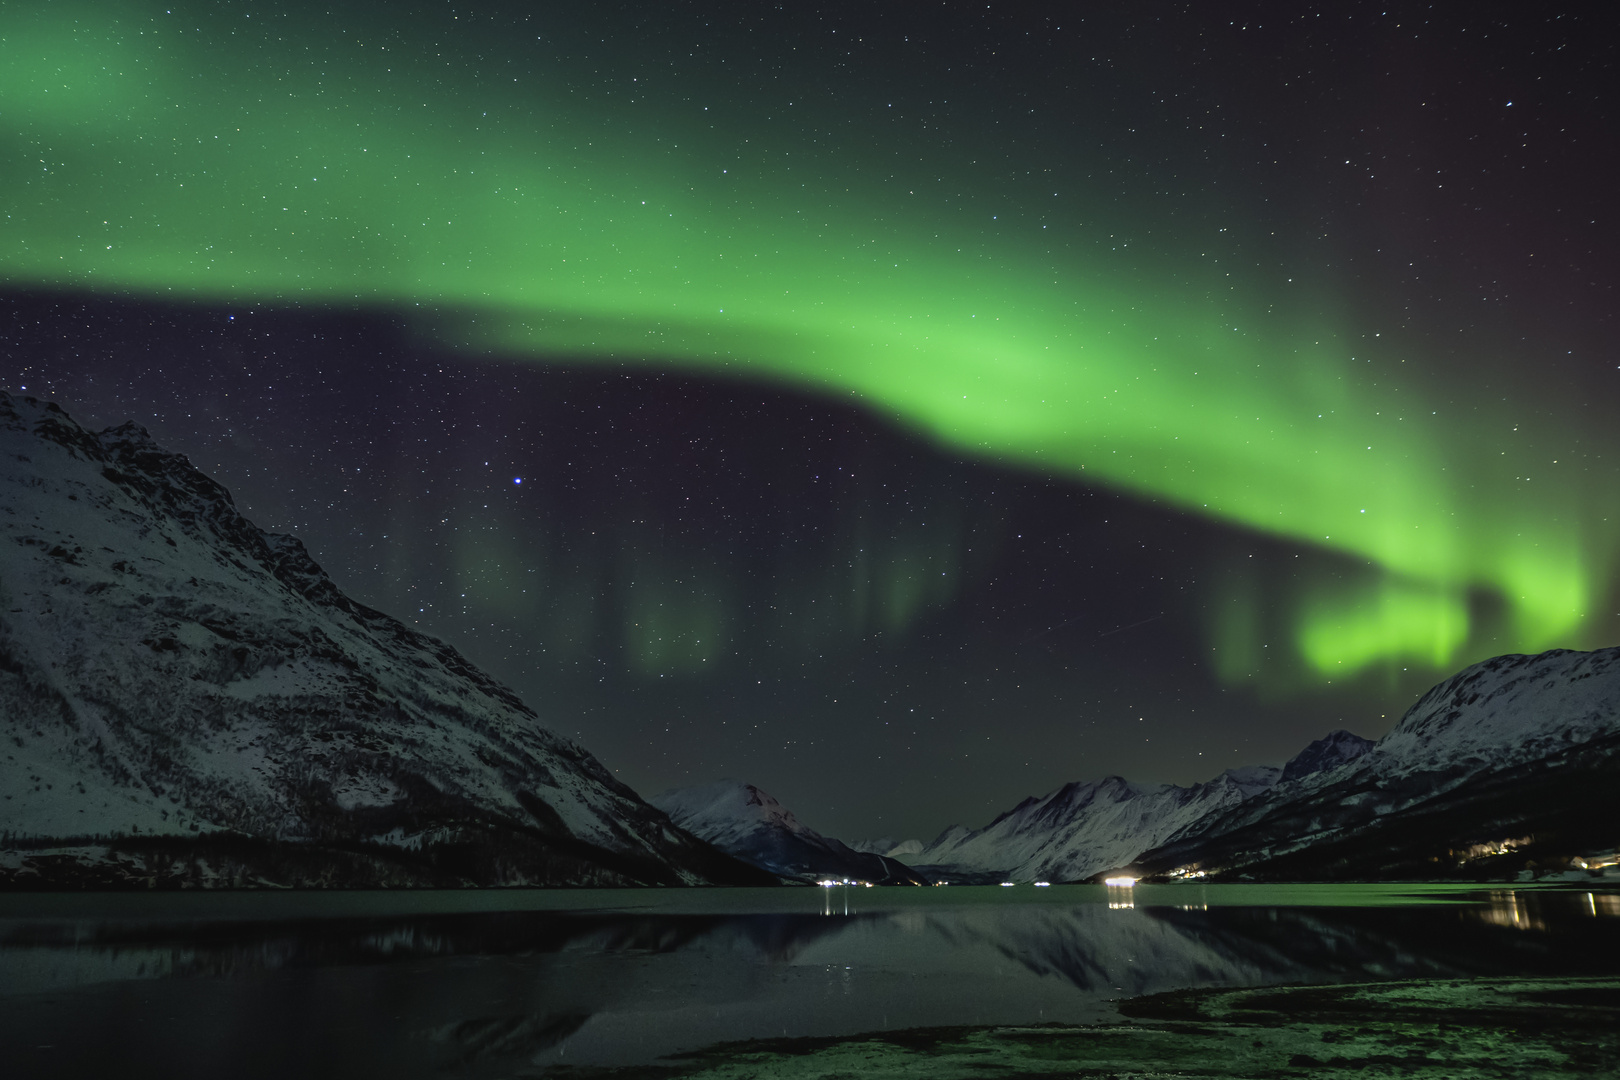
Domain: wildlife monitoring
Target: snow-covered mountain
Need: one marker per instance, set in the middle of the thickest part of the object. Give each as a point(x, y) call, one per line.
point(1515, 759)
point(1084, 827)
point(1516, 752)
point(745, 822)
point(186, 698)
point(1329, 752)
point(887, 845)
point(1088, 827)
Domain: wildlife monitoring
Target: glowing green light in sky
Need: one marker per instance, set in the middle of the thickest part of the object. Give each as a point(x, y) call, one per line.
point(1423, 625)
point(145, 155)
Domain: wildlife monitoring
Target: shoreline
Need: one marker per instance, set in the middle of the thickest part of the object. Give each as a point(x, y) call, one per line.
point(1459, 1029)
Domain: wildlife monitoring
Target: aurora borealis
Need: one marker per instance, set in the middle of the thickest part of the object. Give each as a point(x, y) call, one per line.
point(1323, 302)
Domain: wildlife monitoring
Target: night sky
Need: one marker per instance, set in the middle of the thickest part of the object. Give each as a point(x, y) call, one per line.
point(905, 408)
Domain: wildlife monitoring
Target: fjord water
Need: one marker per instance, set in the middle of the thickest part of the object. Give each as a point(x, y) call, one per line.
point(484, 983)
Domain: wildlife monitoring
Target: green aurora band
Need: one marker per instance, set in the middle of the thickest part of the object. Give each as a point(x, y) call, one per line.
point(145, 156)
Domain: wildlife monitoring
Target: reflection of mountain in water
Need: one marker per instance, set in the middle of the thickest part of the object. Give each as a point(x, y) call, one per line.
point(483, 993)
point(1095, 947)
point(225, 949)
point(504, 1037)
point(1133, 951)
point(1149, 950)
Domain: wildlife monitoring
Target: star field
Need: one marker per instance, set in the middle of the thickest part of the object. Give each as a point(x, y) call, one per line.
point(916, 407)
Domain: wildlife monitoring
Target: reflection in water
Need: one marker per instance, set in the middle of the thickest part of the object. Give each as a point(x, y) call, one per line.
point(477, 994)
point(1507, 908)
point(1530, 911)
point(835, 901)
point(504, 1037)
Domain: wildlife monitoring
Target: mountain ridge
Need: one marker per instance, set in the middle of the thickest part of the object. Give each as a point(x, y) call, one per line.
point(751, 825)
point(174, 678)
point(1089, 826)
point(1549, 715)
point(1530, 742)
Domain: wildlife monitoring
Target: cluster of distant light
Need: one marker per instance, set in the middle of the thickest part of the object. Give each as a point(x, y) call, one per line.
point(174, 161)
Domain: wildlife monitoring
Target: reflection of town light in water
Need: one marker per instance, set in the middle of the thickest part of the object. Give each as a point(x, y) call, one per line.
point(826, 896)
point(1507, 908)
point(1121, 892)
point(1518, 910)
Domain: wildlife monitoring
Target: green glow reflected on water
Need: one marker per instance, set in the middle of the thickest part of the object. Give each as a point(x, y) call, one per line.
point(220, 164)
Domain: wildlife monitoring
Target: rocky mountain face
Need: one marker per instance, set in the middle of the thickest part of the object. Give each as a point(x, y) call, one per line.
point(187, 699)
point(1511, 763)
point(749, 824)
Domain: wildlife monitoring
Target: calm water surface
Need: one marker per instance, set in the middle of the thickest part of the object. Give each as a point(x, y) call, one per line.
point(501, 983)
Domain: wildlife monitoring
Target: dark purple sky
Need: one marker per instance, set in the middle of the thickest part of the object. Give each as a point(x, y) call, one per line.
point(700, 579)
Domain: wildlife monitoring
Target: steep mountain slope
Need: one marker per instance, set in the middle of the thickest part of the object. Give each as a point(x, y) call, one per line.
point(186, 698)
point(1514, 753)
point(1088, 827)
point(745, 822)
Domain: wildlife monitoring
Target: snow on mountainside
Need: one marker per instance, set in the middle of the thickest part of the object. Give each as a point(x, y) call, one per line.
point(1087, 827)
point(1506, 710)
point(745, 822)
point(887, 845)
point(1083, 827)
point(1513, 744)
point(1329, 752)
point(1515, 751)
point(177, 685)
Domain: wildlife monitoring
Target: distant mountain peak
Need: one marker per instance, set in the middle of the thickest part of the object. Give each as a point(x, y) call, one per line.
point(887, 845)
point(1329, 752)
point(730, 801)
point(1251, 779)
point(1085, 826)
point(751, 825)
